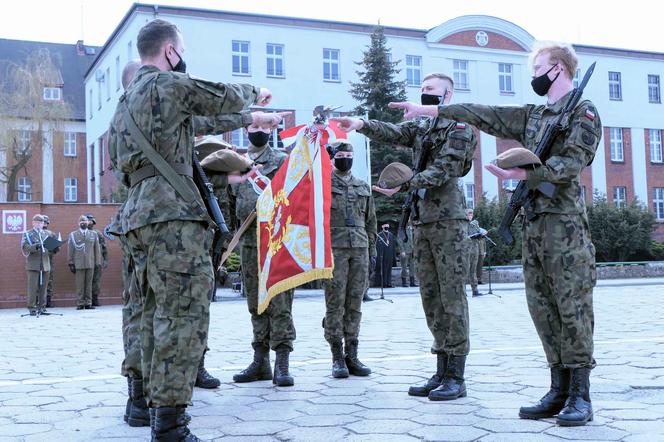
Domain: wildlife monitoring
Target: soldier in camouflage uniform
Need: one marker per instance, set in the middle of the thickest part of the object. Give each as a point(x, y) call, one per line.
point(407, 262)
point(96, 276)
point(169, 238)
point(558, 254)
point(473, 251)
point(439, 231)
point(51, 254)
point(273, 329)
point(353, 236)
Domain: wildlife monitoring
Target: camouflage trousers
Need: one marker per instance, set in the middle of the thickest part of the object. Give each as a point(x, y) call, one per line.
point(439, 262)
point(472, 256)
point(96, 284)
point(275, 325)
point(132, 310)
point(83, 279)
point(344, 292)
point(559, 271)
point(407, 266)
point(174, 274)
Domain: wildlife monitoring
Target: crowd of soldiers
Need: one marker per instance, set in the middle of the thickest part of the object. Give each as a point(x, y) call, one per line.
point(166, 234)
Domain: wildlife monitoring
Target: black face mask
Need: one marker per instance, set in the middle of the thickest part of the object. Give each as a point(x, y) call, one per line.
point(428, 99)
point(181, 66)
point(343, 164)
point(542, 84)
point(83, 226)
point(258, 139)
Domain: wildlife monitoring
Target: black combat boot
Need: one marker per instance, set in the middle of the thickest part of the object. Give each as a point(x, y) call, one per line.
point(366, 297)
point(355, 367)
point(403, 282)
point(48, 301)
point(259, 369)
point(453, 385)
point(412, 282)
point(170, 425)
point(203, 378)
point(578, 408)
point(339, 369)
point(282, 377)
point(477, 293)
point(435, 380)
point(139, 414)
point(128, 406)
point(553, 401)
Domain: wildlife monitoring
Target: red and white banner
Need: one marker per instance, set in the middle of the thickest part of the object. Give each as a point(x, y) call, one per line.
point(293, 220)
point(328, 134)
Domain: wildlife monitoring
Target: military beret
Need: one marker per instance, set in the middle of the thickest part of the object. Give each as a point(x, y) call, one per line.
point(394, 175)
point(38, 217)
point(91, 218)
point(210, 144)
point(226, 160)
point(339, 146)
point(517, 157)
point(46, 220)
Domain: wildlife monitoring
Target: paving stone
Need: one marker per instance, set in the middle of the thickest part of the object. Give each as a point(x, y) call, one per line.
point(514, 426)
point(587, 433)
point(264, 428)
point(18, 430)
point(388, 426)
point(307, 435)
point(448, 433)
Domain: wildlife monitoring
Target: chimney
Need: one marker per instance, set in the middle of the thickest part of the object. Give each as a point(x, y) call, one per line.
point(80, 47)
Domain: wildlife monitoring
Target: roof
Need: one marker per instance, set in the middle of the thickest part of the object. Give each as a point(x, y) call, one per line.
point(66, 57)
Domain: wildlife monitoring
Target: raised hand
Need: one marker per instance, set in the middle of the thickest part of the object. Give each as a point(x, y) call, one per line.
point(386, 192)
point(264, 97)
point(348, 124)
point(412, 110)
point(270, 120)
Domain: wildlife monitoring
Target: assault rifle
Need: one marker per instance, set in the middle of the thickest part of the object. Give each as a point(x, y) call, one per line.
point(522, 196)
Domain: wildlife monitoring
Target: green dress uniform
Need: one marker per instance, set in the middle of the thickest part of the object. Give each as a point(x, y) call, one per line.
point(83, 255)
point(96, 275)
point(38, 267)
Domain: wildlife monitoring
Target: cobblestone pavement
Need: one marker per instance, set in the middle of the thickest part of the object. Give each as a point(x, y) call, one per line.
point(59, 375)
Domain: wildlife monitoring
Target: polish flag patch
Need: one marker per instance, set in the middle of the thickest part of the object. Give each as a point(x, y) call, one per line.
point(461, 125)
point(590, 115)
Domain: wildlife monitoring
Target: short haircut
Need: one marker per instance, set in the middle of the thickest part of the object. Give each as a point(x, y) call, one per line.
point(558, 53)
point(441, 76)
point(129, 72)
point(153, 35)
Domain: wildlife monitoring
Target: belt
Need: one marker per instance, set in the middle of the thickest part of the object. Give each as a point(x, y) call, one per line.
point(150, 171)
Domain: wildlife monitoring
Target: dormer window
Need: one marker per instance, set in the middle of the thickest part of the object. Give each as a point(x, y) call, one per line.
point(53, 93)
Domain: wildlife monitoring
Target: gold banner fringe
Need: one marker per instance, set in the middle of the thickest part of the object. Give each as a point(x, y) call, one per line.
point(292, 282)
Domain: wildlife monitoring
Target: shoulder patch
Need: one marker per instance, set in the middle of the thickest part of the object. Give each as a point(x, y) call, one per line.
point(590, 114)
point(461, 125)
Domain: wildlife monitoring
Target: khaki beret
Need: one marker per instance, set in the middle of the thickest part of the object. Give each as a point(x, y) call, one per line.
point(226, 160)
point(517, 157)
point(207, 145)
point(394, 175)
point(38, 217)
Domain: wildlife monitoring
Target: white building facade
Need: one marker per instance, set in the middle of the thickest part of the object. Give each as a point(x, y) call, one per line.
point(309, 62)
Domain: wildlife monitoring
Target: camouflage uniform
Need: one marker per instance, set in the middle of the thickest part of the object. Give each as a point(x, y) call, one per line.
point(96, 276)
point(558, 255)
point(473, 254)
point(406, 254)
point(440, 231)
point(274, 326)
point(353, 236)
point(169, 240)
point(37, 264)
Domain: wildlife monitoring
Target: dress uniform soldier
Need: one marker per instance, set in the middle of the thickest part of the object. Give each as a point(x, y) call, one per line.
point(439, 230)
point(167, 229)
point(96, 277)
point(558, 254)
point(475, 234)
point(274, 328)
point(37, 264)
point(353, 236)
point(51, 254)
point(386, 250)
point(84, 254)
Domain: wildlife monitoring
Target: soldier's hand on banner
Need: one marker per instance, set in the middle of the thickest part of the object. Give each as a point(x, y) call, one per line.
point(412, 110)
point(264, 97)
point(270, 120)
point(348, 124)
point(515, 173)
point(386, 192)
point(237, 177)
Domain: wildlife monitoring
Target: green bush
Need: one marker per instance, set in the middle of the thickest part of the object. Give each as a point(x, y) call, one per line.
point(488, 214)
point(232, 264)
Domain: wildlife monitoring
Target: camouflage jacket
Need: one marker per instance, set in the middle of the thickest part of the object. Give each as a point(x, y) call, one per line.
point(163, 105)
point(243, 197)
point(353, 214)
point(450, 158)
point(572, 150)
point(102, 247)
point(221, 123)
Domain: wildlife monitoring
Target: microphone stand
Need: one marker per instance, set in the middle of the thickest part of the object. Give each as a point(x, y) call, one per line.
point(490, 241)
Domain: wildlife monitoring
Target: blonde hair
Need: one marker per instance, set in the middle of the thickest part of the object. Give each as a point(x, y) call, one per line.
point(441, 76)
point(559, 53)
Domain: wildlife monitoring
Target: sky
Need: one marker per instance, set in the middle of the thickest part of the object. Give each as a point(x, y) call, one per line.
point(635, 24)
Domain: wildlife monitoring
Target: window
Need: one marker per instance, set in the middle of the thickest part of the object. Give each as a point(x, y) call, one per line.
point(275, 141)
point(90, 102)
point(130, 51)
point(331, 65)
point(98, 95)
point(107, 79)
point(24, 189)
point(615, 135)
point(239, 138)
point(575, 80)
point(658, 203)
point(583, 193)
point(71, 190)
point(118, 74)
point(619, 197)
point(275, 60)
point(470, 195)
point(460, 72)
point(70, 144)
point(241, 57)
point(654, 95)
point(505, 78)
point(52, 93)
point(24, 139)
point(510, 184)
point(413, 70)
point(615, 88)
point(655, 146)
